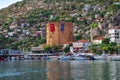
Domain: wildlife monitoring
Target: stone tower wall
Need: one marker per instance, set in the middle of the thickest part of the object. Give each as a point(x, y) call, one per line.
point(59, 37)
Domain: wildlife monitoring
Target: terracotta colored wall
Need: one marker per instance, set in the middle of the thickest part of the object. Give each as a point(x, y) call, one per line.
point(58, 37)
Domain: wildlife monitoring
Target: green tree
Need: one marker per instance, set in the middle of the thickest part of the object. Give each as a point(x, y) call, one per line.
point(55, 48)
point(67, 49)
point(94, 25)
point(79, 37)
point(106, 41)
point(93, 48)
point(47, 48)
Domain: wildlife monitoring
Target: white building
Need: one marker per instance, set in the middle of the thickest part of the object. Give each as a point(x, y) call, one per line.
point(114, 35)
point(87, 8)
point(98, 40)
point(81, 46)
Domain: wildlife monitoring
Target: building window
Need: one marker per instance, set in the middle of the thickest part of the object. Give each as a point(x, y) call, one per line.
point(116, 33)
point(116, 37)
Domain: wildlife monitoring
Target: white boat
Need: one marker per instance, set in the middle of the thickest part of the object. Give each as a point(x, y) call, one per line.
point(114, 58)
point(63, 57)
point(13, 58)
point(53, 57)
point(100, 58)
point(79, 58)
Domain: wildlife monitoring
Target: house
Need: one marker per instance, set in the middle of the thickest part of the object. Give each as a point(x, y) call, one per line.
point(38, 33)
point(81, 46)
point(74, 14)
point(98, 40)
point(26, 32)
point(11, 51)
point(75, 28)
point(96, 8)
point(14, 25)
point(25, 25)
point(87, 8)
point(114, 35)
point(99, 19)
point(38, 49)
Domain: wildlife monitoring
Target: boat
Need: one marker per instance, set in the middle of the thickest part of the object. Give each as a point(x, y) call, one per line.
point(13, 58)
point(100, 58)
point(79, 58)
point(1, 59)
point(64, 57)
point(53, 57)
point(114, 58)
point(47, 58)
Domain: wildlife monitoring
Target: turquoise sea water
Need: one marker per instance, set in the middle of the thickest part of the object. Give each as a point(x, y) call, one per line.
point(59, 70)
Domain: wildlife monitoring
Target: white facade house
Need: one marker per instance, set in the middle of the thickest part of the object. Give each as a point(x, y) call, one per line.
point(81, 46)
point(38, 49)
point(114, 35)
point(98, 40)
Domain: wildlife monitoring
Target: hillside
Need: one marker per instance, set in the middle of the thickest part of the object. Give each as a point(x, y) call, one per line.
point(22, 25)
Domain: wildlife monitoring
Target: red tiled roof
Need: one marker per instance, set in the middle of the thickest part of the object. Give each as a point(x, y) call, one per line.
point(115, 27)
point(83, 40)
point(99, 38)
point(38, 32)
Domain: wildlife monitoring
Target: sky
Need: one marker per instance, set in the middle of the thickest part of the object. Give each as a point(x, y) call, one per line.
point(6, 3)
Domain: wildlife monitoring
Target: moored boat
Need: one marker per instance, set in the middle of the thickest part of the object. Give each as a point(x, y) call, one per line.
point(63, 57)
point(79, 58)
point(53, 57)
point(1, 59)
point(100, 58)
point(114, 58)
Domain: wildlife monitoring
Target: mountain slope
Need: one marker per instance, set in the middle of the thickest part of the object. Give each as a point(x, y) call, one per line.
point(34, 14)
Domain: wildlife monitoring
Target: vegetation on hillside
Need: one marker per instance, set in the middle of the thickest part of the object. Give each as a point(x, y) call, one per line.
point(36, 13)
point(105, 47)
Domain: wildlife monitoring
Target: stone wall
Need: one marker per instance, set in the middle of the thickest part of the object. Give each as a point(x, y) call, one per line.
point(59, 37)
